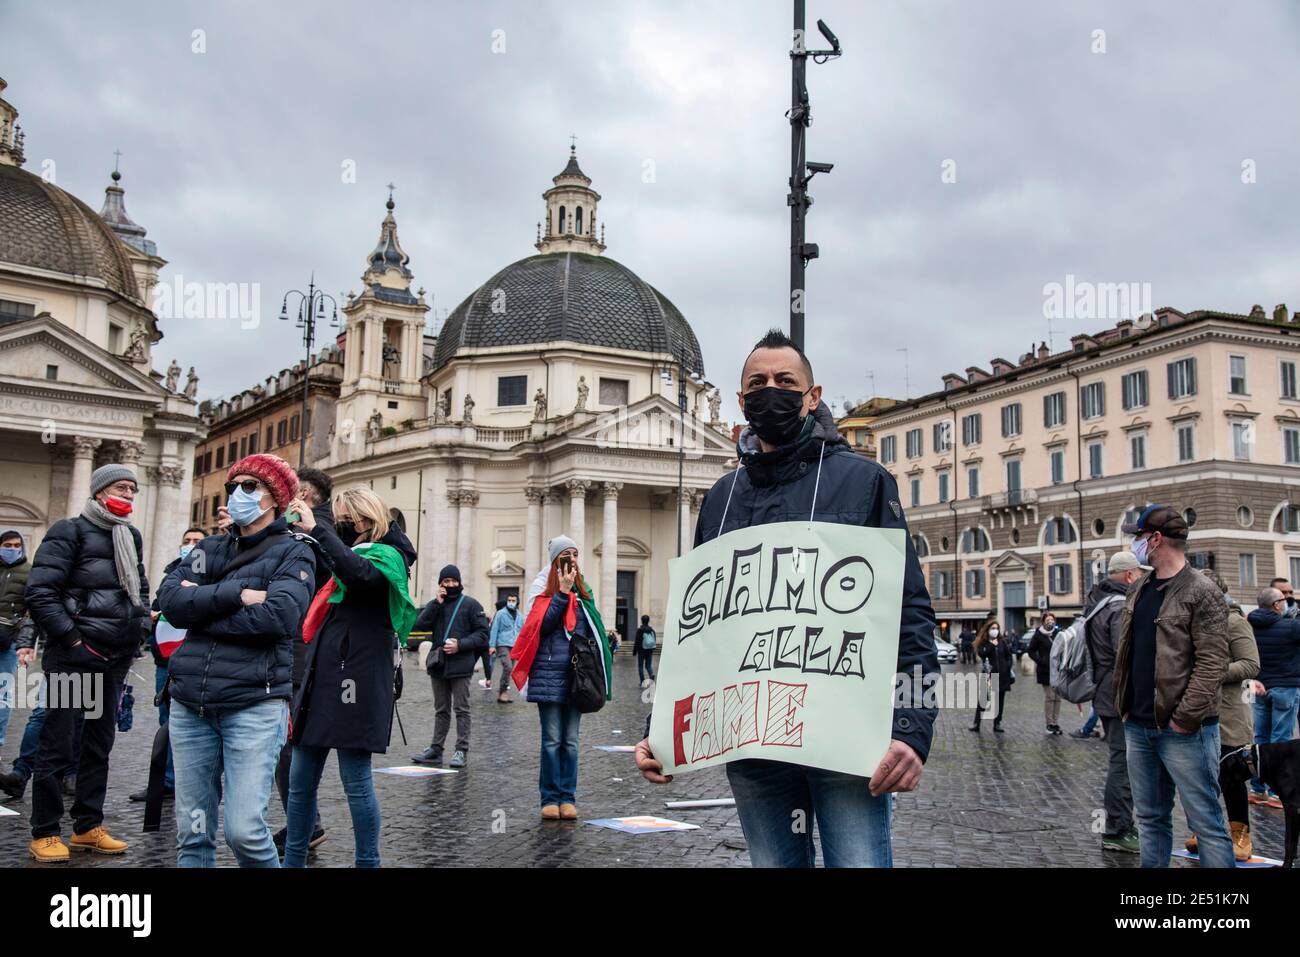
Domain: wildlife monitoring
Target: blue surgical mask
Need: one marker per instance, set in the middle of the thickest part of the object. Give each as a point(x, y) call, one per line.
point(1140, 547)
point(245, 507)
point(11, 555)
point(511, 604)
point(186, 549)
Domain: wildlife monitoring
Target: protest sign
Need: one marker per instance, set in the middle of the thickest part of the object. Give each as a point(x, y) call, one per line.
point(781, 642)
point(642, 825)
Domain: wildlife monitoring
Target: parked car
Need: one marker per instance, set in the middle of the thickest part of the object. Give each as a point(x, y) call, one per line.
point(1021, 644)
point(947, 653)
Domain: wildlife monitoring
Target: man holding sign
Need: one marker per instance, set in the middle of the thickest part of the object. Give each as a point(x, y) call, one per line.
point(786, 628)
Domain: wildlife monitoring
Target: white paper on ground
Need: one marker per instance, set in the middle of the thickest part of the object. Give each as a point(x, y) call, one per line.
point(684, 805)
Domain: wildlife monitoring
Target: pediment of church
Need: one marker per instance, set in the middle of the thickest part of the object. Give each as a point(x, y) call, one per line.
point(653, 423)
point(82, 369)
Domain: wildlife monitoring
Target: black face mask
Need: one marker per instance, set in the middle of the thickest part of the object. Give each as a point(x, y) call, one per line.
point(773, 414)
point(347, 532)
point(455, 592)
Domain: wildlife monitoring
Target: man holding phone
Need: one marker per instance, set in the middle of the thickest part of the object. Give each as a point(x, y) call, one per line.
point(458, 629)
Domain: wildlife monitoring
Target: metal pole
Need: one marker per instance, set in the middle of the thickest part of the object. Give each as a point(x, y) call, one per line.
point(797, 198)
point(309, 336)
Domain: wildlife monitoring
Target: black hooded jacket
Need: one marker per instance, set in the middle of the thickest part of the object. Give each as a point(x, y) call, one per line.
point(779, 486)
point(346, 696)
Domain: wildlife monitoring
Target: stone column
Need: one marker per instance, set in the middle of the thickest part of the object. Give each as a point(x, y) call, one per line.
point(687, 528)
point(578, 514)
point(609, 554)
point(83, 460)
point(171, 518)
point(533, 544)
point(451, 546)
point(60, 480)
point(468, 498)
point(433, 533)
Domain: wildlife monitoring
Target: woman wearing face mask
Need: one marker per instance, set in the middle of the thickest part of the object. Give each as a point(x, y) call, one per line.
point(993, 650)
point(1040, 650)
point(352, 632)
point(561, 605)
point(241, 602)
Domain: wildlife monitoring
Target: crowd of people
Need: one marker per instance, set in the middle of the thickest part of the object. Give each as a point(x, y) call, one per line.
point(1181, 678)
point(277, 640)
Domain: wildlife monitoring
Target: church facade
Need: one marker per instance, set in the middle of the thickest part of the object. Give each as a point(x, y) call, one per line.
point(77, 384)
point(565, 395)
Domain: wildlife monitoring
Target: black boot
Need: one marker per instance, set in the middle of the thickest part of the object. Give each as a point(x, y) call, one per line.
point(13, 784)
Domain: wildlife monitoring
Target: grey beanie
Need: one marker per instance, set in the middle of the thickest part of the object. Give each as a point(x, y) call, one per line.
point(106, 475)
point(558, 544)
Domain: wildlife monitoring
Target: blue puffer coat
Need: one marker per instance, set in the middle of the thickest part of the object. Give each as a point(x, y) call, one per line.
point(236, 655)
point(778, 486)
point(548, 678)
point(1278, 639)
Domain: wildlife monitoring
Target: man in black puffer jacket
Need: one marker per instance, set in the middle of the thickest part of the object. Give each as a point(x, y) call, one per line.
point(87, 592)
point(797, 467)
point(459, 630)
point(241, 598)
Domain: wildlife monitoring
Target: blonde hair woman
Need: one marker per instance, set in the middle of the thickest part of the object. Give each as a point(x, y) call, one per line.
point(353, 630)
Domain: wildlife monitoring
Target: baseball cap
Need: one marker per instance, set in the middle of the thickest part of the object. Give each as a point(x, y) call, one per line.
point(1124, 562)
point(1157, 518)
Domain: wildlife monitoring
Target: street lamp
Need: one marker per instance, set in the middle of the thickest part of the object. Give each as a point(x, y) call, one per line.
point(311, 310)
point(801, 170)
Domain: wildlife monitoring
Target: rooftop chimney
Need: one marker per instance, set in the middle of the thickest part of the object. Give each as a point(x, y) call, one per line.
point(1279, 312)
point(1043, 351)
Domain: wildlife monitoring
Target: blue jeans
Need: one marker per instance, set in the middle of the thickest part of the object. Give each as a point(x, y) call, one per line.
point(8, 691)
point(558, 779)
point(779, 802)
point(304, 781)
point(1160, 761)
point(242, 746)
point(160, 679)
point(1275, 715)
point(1091, 722)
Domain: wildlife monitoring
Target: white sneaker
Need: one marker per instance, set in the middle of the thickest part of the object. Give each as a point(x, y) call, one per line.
point(484, 684)
point(645, 682)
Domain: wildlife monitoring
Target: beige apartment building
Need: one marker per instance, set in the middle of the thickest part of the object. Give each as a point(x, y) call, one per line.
point(1016, 479)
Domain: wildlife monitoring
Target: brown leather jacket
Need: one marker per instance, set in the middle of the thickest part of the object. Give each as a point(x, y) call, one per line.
point(1191, 650)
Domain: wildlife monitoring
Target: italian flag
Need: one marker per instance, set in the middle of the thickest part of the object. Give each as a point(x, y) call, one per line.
point(168, 637)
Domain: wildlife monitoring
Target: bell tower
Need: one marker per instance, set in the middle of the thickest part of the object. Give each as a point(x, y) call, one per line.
point(570, 225)
point(384, 343)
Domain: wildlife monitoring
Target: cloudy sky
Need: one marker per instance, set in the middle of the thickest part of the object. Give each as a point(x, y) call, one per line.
point(1107, 141)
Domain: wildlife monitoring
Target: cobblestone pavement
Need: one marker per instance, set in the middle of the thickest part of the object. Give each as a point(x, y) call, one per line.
point(1017, 799)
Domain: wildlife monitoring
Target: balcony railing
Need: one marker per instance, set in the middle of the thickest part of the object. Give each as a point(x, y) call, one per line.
point(1022, 496)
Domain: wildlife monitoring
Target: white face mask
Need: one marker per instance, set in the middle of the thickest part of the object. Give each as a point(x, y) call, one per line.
point(993, 632)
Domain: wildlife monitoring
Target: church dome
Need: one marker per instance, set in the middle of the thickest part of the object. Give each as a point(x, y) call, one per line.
point(568, 296)
point(47, 228)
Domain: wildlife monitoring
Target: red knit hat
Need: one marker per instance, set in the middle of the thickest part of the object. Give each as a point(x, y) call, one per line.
point(274, 472)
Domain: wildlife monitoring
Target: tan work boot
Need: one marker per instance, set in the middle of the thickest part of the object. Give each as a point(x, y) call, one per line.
point(568, 812)
point(550, 813)
point(50, 850)
point(99, 841)
point(1191, 845)
point(1242, 847)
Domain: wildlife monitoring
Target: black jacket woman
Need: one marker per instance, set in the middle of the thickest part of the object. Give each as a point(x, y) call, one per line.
point(992, 649)
point(352, 632)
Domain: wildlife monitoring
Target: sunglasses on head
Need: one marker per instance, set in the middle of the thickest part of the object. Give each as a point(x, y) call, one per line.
point(248, 485)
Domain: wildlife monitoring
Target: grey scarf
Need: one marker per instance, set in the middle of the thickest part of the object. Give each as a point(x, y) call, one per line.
point(124, 554)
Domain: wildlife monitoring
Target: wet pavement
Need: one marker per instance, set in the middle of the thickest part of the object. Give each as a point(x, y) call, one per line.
point(1020, 799)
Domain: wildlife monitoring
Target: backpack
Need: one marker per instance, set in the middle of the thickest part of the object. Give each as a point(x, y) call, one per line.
point(648, 640)
point(1071, 662)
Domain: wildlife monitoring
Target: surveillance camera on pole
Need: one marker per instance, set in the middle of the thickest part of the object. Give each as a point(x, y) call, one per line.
point(801, 170)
